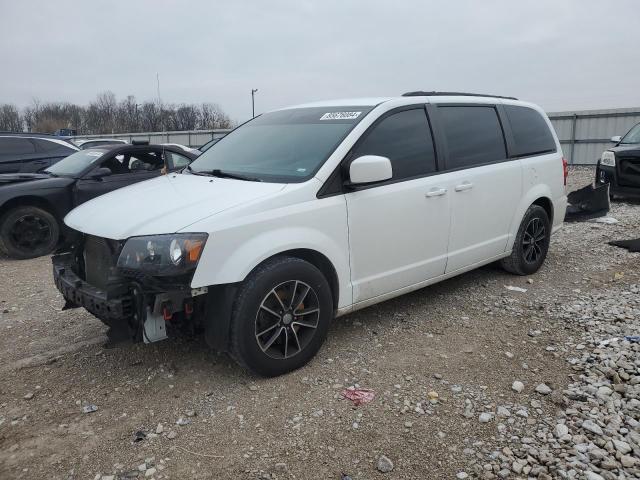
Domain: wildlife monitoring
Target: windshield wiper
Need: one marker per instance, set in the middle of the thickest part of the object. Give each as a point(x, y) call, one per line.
point(216, 172)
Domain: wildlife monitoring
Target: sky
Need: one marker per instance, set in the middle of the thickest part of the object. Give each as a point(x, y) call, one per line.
point(561, 54)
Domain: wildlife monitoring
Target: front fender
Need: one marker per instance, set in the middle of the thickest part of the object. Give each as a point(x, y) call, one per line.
point(231, 254)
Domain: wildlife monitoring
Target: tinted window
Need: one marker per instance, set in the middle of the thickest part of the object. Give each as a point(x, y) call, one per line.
point(474, 135)
point(16, 146)
point(404, 138)
point(530, 131)
point(48, 146)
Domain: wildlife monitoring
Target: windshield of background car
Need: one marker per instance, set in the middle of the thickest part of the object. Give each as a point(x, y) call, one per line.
point(76, 163)
point(283, 146)
point(633, 136)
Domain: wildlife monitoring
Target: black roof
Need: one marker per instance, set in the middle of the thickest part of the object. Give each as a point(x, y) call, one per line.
point(421, 93)
point(127, 147)
point(29, 134)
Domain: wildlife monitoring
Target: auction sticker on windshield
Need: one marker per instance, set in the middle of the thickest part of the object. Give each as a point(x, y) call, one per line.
point(340, 116)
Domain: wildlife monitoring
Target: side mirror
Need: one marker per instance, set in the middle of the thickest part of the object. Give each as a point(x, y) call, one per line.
point(370, 169)
point(616, 139)
point(99, 173)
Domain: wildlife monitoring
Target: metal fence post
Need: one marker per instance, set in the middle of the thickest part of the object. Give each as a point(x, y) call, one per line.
point(573, 137)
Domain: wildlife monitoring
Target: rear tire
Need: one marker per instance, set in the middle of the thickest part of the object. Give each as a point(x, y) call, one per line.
point(531, 243)
point(280, 317)
point(28, 232)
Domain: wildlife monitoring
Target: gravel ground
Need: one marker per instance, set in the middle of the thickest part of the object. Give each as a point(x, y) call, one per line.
point(471, 380)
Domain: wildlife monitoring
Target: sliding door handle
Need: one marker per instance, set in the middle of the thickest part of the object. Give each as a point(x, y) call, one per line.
point(435, 192)
point(464, 186)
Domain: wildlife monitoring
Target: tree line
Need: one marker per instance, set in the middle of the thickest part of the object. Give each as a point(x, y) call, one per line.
point(108, 115)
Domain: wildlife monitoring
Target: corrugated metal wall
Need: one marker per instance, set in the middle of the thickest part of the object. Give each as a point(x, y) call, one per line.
point(585, 134)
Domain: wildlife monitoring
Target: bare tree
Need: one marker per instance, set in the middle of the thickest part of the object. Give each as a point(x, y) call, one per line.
point(107, 115)
point(10, 118)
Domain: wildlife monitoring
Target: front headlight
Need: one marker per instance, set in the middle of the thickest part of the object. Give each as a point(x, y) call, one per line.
point(172, 254)
point(608, 158)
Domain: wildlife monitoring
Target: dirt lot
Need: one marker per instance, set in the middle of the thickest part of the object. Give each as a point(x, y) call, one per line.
point(467, 339)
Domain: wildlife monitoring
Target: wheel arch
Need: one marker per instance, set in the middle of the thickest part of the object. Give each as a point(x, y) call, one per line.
point(540, 195)
point(29, 201)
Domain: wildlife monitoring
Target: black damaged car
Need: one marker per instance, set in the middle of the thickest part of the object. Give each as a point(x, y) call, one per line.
point(620, 166)
point(33, 205)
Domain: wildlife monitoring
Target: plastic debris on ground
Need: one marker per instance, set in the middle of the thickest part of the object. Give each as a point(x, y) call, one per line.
point(588, 203)
point(605, 220)
point(89, 408)
point(631, 245)
point(358, 396)
point(515, 289)
point(139, 436)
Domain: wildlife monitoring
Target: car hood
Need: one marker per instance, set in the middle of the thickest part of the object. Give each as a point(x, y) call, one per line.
point(632, 149)
point(163, 205)
point(21, 177)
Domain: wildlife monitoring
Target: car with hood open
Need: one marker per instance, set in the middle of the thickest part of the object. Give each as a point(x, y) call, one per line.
point(619, 166)
point(33, 205)
point(311, 212)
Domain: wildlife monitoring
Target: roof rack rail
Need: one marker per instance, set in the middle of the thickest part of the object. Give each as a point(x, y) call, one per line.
point(420, 93)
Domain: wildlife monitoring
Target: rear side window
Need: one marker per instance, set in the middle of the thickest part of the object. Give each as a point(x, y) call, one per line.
point(48, 146)
point(474, 135)
point(530, 131)
point(404, 138)
point(16, 146)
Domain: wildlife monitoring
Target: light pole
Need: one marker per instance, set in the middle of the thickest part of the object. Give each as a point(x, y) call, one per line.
point(253, 102)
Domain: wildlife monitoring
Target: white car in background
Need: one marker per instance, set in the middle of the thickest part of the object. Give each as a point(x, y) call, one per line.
point(96, 142)
point(314, 211)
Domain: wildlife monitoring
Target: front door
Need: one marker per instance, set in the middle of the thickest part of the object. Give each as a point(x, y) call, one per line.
point(398, 230)
point(485, 187)
point(126, 169)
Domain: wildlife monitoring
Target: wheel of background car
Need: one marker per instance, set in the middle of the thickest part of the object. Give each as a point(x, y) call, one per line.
point(531, 244)
point(280, 317)
point(29, 232)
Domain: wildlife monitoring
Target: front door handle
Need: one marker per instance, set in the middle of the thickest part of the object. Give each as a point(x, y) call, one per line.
point(435, 192)
point(464, 186)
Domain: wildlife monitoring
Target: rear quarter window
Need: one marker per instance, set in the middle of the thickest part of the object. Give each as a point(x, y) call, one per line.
point(531, 133)
point(16, 146)
point(474, 135)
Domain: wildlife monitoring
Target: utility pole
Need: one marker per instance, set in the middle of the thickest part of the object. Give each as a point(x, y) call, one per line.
point(253, 102)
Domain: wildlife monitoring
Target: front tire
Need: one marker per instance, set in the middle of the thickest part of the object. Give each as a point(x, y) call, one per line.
point(280, 317)
point(531, 243)
point(28, 232)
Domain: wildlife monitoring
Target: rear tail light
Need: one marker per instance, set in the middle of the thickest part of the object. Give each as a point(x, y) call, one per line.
point(565, 169)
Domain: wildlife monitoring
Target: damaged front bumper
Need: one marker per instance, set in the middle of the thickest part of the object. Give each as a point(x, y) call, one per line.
point(78, 293)
point(607, 174)
point(134, 307)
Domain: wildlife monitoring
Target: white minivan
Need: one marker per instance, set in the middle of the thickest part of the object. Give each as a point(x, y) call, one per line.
point(311, 212)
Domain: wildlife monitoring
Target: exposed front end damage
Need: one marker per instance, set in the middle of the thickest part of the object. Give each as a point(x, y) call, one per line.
point(135, 305)
point(621, 171)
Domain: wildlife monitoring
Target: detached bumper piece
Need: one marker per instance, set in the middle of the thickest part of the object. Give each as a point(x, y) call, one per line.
point(79, 293)
point(587, 203)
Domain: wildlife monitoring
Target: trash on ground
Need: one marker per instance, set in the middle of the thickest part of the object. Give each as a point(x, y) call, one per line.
point(606, 342)
point(588, 203)
point(89, 408)
point(632, 338)
point(139, 436)
point(606, 220)
point(358, 396)
point(631, 245)
point(515, 289)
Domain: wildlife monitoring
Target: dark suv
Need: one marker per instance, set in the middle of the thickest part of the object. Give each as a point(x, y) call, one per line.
point(26, 153)
point(620, 166)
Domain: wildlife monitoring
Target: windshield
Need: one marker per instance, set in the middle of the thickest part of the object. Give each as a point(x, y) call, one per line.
point(76, 163)
point(633, 136)
point(283, 146)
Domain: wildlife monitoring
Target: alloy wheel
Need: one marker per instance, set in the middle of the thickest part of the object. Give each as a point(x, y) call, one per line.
point(30, 232)
point(287, 319)
point(533, 240)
